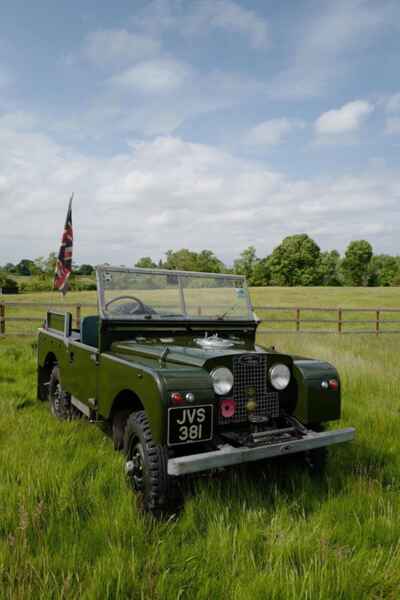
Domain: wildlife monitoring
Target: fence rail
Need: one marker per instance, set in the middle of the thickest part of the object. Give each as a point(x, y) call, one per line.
point(335, 320)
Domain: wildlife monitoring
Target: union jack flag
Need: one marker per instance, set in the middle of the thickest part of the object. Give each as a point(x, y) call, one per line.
point(64, 260)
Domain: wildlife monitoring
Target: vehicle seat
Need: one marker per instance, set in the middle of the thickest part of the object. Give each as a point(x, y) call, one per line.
point(90, 331)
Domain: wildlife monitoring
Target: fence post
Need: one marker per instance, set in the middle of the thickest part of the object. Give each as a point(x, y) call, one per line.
point(297, 319)
point(2, 319)
point(339, 315)
point(78, 316)
point(377, 325)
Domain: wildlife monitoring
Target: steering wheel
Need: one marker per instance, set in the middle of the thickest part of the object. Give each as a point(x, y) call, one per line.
point(140, 307)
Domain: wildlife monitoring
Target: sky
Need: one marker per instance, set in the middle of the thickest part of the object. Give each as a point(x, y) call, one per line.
point(213, 124)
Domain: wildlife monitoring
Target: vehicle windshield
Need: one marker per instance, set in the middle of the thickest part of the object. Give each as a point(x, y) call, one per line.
point(158, 294)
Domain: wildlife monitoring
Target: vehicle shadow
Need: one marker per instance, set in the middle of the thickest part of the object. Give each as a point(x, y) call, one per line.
point(289, 479)
point(253, 486)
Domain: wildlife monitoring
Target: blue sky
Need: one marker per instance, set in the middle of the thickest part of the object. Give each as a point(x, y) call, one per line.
point(205, 124)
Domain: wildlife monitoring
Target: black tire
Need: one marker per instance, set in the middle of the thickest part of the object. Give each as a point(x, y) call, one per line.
point(59, 400)
point(147, 468)
point(317, 460)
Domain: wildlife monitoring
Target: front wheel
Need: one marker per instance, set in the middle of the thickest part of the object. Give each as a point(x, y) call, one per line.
point(316, 460)
point(147, 467)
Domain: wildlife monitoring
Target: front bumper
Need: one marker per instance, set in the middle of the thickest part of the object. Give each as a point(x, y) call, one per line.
point(229, 455)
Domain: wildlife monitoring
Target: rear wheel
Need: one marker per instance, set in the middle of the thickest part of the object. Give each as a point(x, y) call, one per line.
point(147, 468)
point(59, 399)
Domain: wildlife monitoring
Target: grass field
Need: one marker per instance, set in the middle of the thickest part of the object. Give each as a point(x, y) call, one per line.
point(70, 528)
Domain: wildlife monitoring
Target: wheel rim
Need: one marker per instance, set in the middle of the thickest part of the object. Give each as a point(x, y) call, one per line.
point(57, 398)
point(58, 403)
point(137, 473)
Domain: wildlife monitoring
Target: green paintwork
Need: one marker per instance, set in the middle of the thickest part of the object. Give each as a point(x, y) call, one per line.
point(147, 360)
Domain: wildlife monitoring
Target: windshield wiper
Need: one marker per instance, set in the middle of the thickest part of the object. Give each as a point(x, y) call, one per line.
point(220, 317)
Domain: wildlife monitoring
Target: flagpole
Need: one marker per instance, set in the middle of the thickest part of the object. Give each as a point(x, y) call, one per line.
point(64, 259)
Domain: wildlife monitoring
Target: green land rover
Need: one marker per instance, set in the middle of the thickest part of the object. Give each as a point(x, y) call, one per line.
point(170, 363)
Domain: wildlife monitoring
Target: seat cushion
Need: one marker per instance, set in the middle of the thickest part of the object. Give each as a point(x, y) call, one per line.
point(90, 331)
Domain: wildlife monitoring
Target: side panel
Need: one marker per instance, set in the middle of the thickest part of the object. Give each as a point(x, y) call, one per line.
point(116, 374)
point(81, 374)
point(316, 404)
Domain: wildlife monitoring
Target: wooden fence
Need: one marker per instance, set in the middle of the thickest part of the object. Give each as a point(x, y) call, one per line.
point(7, 310)
point(297, 319)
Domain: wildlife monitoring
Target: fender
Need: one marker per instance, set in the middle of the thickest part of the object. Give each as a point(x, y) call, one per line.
point(314, 403)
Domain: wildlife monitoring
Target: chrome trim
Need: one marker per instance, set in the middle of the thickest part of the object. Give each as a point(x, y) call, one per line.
point(179, 274)
point(170, 272)
point(228, 455)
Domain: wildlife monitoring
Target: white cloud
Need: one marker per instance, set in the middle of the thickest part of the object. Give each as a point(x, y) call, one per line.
point(185, 95)
point(118, 46)
point(346, 119)
point(153, 76)
point(392, 126)
point(229, 15)
point(17, 120)
point(327, 45)
point(199, 18)
point(5, 77)
point(133, 204)
point(269, 133)
point(393, 103)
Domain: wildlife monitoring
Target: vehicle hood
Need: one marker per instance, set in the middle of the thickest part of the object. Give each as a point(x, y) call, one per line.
point(174, 354)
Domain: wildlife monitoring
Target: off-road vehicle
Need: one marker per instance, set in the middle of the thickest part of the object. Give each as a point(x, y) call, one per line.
point(171, 363)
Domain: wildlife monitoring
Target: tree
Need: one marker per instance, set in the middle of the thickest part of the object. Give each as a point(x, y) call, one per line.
point(383, 270)
point(246, 263)
point(181, 260)
point(207, 262)
point(86, 270)
point(7, 282)
point(9, 268)
point(25, 267)
point(330, 268)
point(187, 260)
point(296, 261)
point(356, 263)
point(261, 273)
point(146, 263)
point(50, 263)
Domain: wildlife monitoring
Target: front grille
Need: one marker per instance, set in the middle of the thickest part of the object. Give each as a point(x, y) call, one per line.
point(251, 383)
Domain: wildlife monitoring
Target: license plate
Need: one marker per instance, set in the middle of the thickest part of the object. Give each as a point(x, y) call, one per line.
point(188, 424)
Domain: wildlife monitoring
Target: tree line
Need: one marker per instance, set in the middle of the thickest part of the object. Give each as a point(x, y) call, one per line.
point(296, 261)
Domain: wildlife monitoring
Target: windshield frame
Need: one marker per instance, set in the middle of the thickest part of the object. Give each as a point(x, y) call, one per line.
point(180, 275)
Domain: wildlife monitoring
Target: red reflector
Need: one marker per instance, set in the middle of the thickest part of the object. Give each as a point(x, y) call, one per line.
point(176, 398)
point(227, 408)
point(333, 384)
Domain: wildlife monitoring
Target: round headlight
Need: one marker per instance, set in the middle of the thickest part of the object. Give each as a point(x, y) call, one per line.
point(279, 376)
point(222, 379)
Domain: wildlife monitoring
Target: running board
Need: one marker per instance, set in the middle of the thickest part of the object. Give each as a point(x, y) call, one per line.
point(81, 407)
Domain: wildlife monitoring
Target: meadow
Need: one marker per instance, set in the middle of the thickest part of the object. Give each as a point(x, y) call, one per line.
point(70, 527)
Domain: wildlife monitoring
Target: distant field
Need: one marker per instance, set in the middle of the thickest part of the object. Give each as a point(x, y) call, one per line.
point(69, 527)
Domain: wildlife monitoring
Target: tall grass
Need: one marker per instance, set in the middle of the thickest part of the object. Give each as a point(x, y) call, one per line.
point(70, 527)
